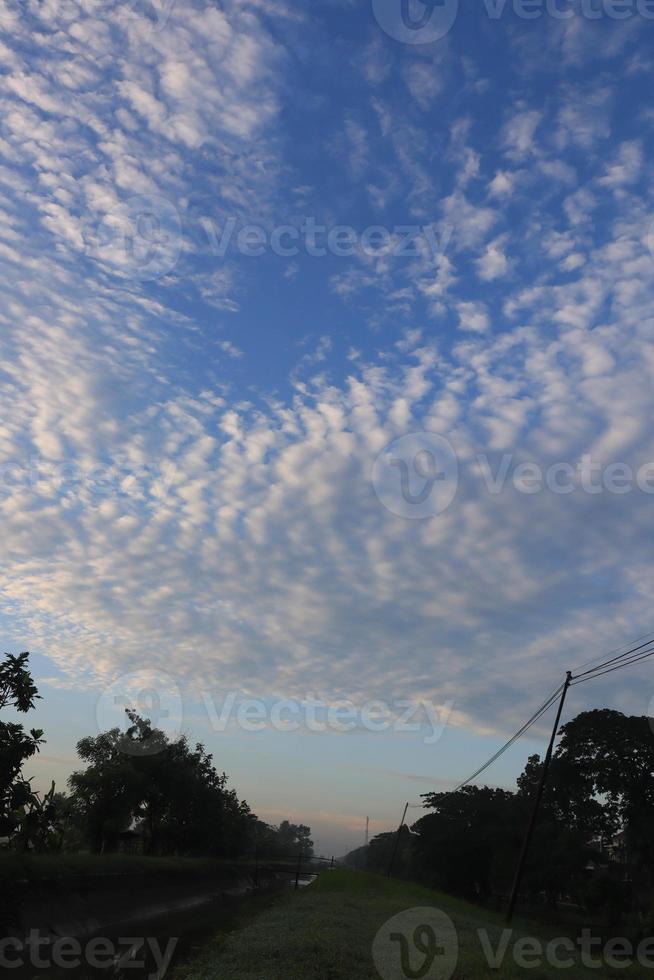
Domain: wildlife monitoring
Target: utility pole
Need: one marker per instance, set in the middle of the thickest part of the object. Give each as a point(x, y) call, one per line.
point(534, 814)
point(367, 829)
point(397, 841)
point(297, 873)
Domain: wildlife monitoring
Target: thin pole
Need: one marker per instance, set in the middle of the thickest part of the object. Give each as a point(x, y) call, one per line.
point(297, 873)
point(397, 841)
point(534, 814)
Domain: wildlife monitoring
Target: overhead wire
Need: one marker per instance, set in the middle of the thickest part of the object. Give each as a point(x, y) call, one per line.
point(633, 655)
point(507, 745)
point(613, 659)
point(582, 679)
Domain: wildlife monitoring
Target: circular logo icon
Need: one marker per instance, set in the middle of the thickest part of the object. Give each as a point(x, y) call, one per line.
point(416, 21)
point(419, 943)
point(142, 240)
point(416, 476)
point(152, 695)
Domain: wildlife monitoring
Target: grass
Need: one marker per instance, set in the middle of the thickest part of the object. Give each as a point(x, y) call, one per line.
point(326, 932)
point(39, 866)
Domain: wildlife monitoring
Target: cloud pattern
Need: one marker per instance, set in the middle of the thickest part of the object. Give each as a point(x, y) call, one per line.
point(159, 510)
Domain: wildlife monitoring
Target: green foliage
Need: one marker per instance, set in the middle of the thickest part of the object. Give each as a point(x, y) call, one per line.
point(293, 840)
point(34, 867)
point(601, 781)
point(17, 691)
point(169, 792)
point(465, 845)
point(614, 755)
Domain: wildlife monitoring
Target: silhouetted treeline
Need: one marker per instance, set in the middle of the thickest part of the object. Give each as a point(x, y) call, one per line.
point(594, 840)
point(139, 792)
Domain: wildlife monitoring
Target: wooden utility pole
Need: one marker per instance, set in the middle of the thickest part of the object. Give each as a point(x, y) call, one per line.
point(297, 873)
point(397, 841)
point(534, 814)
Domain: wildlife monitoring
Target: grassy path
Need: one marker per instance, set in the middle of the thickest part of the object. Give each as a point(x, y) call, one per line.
point(326, 932)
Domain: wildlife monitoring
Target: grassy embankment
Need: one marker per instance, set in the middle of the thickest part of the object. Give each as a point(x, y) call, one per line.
point(325, 932)
point(37, 866)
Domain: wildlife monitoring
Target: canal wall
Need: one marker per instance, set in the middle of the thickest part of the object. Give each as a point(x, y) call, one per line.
point(90, 905)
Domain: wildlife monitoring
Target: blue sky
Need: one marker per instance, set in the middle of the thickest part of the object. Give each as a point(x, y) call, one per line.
point(195, 479)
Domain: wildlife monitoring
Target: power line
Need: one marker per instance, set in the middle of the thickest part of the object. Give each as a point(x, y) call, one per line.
point(629, 657)
point(507, 745)
point(614, 660)
point(635, 654)
point(609, 653)
point(609, 670)
point(626, 659)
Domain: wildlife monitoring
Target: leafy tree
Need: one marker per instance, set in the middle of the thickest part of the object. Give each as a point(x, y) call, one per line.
point(17, 691)
point(106, 791)
point(285, 842)
point(171, 791)
point(294, 839)
point(40, 826)
point(264, 838)
point(383, 847)
point(464, 846)
point(570, 818)
point(614, 755)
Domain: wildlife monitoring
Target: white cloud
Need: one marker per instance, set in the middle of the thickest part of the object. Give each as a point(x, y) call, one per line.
point(519, 132)
point(502, 184)
point(473, 317)
point(627, 168)
point(234, 537)
point(493, 264)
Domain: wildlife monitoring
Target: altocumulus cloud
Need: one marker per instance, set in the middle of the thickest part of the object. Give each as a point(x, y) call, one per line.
point(259, 558)
point(239, 543)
